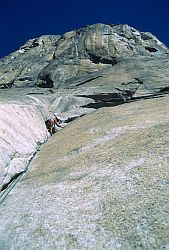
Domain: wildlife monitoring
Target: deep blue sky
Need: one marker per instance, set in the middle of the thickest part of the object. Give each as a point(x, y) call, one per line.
point(21, 20)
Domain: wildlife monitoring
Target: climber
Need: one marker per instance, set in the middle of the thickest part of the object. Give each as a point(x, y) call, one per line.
point(56, 122)
point(49, 125)
point(52, 123)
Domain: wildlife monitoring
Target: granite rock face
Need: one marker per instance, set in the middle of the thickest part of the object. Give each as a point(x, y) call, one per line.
point(101, 182)
point(22, 67)
point(76, 56)
point(22, 131)
point(90, 50)
point(99, 65)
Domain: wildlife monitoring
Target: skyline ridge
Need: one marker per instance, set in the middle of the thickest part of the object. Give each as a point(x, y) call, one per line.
point(21, 20)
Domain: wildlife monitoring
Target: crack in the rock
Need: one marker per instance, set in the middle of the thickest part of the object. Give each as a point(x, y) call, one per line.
point(138, 80)
point(114, 99)
point(164, 90)
point(109, 97)
point(101, 100)
point(11, 180)
point(97, 105)
point(151, 49)
point(70, 119)
point(88, 80)
point(7, 187)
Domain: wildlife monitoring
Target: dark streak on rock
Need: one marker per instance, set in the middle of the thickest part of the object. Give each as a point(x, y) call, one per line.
point(34, 93)
point(97, 105)
point(151, 49)
point(47, 82)
point(164, 90)
point(70, 119)
point(89, 80)
point(12, 179)
point(138, 80)
point(6, 85)
point(99, 59)
point(109, 97)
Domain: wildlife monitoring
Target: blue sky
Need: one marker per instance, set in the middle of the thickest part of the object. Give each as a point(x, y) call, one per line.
point(21, 20)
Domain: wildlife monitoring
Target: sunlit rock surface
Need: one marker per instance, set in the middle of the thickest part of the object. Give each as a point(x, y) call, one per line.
point(76, 56)
point(101, 182)
point(22, 131)
point(22, 67)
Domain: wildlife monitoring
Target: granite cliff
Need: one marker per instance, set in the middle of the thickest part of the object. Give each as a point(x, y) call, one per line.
point(101, 182)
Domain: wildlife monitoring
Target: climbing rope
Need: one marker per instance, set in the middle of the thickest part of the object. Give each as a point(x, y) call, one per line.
point(9, 188)
point(12, 184)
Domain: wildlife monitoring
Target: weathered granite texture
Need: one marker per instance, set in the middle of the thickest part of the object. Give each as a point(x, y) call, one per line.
point(22, 67)
point(102, 181)
point(99, 183)
point(87, 52)
point(78, 55)
point(22, 130)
